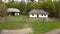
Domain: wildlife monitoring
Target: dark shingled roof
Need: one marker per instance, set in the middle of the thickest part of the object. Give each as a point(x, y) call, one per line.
point(38, 11)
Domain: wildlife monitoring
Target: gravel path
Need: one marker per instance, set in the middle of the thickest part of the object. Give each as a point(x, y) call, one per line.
point(19, 31)
point(57, 31)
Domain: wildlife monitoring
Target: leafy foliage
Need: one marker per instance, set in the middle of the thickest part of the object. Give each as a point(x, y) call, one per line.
point(3, 10)
point(51, 7)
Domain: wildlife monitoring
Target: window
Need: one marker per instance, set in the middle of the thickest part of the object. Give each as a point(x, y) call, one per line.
point(41, 14)
point(55, 0)
point(44, 14)
point(5, 0)
point(27, 0)
point(32, 0)
point(32, 14)
point(8, 0)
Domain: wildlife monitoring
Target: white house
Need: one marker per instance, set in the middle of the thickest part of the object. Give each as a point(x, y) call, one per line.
point(55, 0)
point(13, 11)
point(38, 13)
point(6, 1)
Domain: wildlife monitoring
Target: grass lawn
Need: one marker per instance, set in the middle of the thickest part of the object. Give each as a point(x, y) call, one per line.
point(17, 22)
point(40, 27)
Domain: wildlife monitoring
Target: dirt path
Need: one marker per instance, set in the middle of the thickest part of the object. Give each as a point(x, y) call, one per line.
point(57, 31)
point(19, 31)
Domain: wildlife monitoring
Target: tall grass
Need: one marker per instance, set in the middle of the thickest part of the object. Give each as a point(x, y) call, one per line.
point(39, 25)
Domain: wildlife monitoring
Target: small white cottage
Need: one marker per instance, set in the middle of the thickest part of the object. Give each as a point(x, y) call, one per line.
point(38, 13)
point(6, 1)
point(13, 11)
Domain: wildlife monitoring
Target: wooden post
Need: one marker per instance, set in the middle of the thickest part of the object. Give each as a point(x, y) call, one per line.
point(59, 14)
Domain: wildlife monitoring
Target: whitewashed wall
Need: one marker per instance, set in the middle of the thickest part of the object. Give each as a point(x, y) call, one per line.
point(43, 16)
point(35, 15)
point(5, 1)
point(24, 0)
point(17, 14)
point(17, 0)
point(36, 0)
point(55, 0)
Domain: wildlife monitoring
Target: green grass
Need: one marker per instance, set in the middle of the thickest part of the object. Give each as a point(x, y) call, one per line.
point(13, 25)
point(40, 27)
point(1, 26)
point(37, 24)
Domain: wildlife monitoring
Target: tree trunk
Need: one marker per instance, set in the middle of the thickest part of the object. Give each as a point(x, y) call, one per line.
point(59, 14)
point(3, 19)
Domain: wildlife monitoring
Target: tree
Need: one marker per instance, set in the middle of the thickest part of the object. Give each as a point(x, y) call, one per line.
point(3, 12)
point(49, 7)
point(27, 8)
point(30, 6)
point(0, 1)
point(21, 6)
point(32, 0)
point(58, 9)
point(11, 5)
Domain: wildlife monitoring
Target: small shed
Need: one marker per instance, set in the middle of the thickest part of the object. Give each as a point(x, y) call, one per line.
point(38, 13)
point(13, 11)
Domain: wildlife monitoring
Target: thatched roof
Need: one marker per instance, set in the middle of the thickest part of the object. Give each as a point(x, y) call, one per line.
point(38, 11)
point(12, 10)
